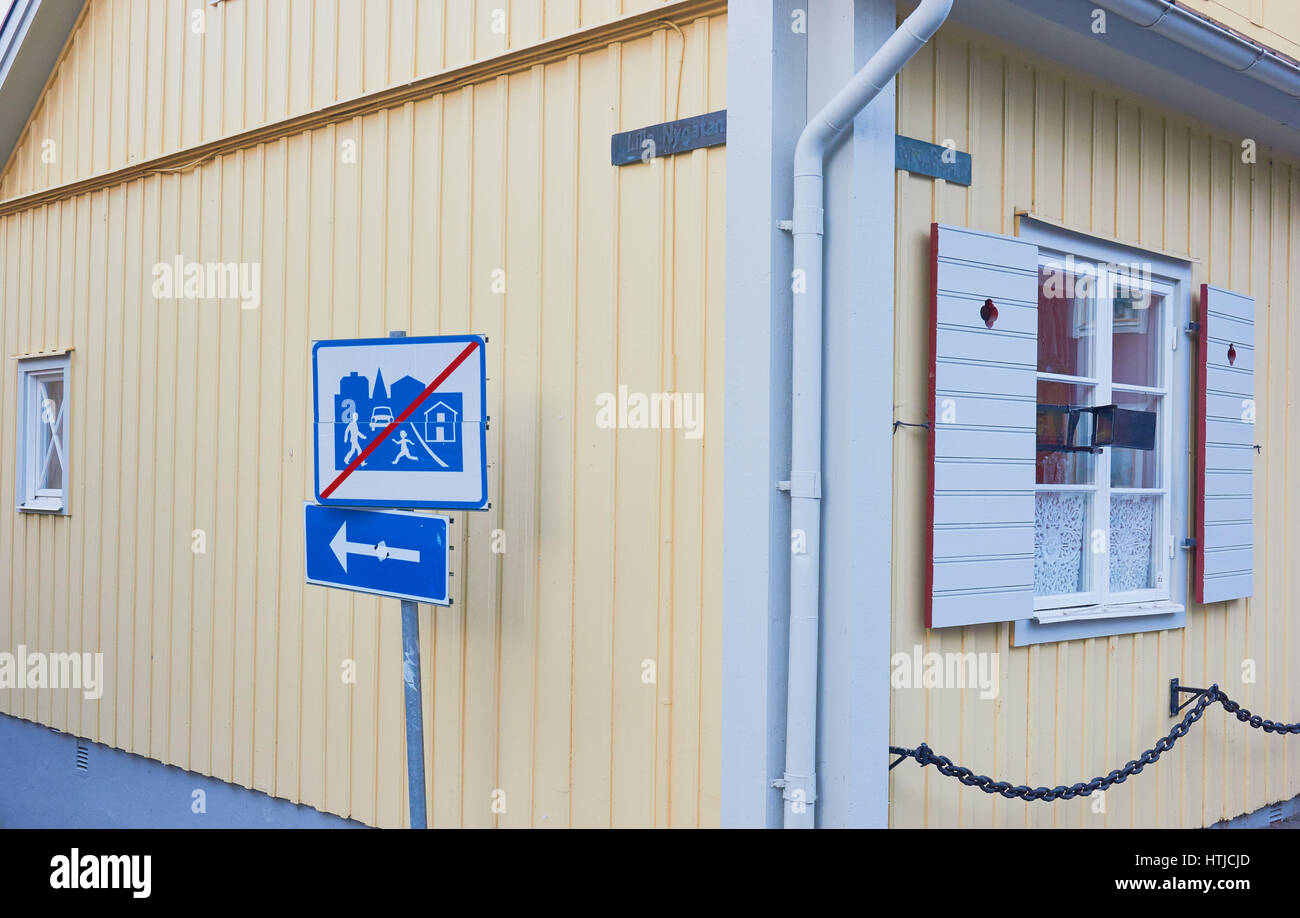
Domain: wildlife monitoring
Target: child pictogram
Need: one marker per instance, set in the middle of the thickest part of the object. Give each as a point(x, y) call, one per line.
point(403, 442)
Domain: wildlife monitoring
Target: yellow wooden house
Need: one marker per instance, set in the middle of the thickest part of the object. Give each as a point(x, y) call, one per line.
point(896, 487)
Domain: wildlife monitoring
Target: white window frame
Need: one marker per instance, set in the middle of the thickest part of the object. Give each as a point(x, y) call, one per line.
point(1098, 601)
point(33, 372)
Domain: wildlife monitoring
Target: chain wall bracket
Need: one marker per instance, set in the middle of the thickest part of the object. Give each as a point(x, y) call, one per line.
point(1175, 689)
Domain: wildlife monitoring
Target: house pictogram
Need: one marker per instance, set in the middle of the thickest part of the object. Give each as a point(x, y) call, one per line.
point(440, 423)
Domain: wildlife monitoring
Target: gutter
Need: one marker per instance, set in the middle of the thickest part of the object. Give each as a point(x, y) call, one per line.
point(13, 27)
point(799, 783)
point(1168, 20)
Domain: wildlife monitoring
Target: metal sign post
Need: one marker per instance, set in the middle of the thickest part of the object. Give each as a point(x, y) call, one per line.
point(414, 712)
point(414, 702)
point(397, 425)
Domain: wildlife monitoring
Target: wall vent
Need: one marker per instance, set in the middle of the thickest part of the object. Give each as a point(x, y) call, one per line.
point(83, 757)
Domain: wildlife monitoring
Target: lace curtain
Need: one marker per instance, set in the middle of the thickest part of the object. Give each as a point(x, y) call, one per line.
point(1132, 519)
point(1060, 542)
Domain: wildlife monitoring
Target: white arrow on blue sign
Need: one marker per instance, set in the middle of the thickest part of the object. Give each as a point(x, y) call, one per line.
point(385, 552)
point(399, 422)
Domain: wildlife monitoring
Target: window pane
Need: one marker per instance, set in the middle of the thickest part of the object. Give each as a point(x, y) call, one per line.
point(1058, 425)
point(1132, 528)
point(1135, 345)
point(1137, 468)
point(1060, 524)
point(53, 475)
point(1067, 323)
point(49, 399)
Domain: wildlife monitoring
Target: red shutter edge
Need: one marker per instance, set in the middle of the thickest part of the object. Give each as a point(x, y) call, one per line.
point(1202, 384)
point(934, 423)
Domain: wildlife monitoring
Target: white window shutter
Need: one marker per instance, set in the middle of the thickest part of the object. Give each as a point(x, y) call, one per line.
point(1225, 516)
point(983, 389)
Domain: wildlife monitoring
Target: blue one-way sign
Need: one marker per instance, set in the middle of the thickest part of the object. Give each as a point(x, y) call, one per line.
point(386, 552)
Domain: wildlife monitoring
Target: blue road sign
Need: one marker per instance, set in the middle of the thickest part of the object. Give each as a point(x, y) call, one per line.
point(400, 423)
point(386, 552)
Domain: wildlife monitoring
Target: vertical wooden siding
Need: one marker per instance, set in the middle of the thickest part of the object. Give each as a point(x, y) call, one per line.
point(194, 415)
point(137, 81)
point(1073, 150)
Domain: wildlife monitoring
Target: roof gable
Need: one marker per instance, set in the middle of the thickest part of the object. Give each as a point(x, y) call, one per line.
point(32, 38)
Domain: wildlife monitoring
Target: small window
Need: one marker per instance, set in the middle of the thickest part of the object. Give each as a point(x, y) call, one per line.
point(1103, 531)
point(42, 479)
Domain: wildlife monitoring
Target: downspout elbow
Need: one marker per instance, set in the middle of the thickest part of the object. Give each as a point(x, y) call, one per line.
point(838, 113)
point(810, 151)
point(926, 19)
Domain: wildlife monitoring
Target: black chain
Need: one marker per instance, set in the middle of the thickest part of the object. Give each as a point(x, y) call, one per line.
point(1243, 715)
point(924, 755)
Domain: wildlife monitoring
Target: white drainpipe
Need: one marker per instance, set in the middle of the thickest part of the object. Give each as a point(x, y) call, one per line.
point(800, 781)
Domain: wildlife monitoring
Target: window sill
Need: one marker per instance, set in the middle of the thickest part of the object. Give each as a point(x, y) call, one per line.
point(41, 505)
point(1089, 613)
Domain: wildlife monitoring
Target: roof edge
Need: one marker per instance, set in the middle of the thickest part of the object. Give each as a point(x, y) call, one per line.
point(1199, 33)
point(33, 37)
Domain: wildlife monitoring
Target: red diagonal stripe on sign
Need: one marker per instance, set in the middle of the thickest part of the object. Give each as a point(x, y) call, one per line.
point(399, 420)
